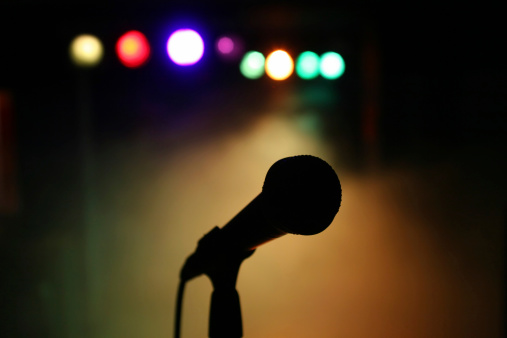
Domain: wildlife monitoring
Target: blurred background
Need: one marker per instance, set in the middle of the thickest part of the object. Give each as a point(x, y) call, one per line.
point(114, 165)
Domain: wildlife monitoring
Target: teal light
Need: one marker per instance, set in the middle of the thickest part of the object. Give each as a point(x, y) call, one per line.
point(309, 122)
point(332, 65)
point(252, 65)
point(307, 65)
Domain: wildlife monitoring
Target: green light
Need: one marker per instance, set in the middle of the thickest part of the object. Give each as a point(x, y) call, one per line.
point(252, 65)
point(307, 65)
point(309, 122)
point(332, 65)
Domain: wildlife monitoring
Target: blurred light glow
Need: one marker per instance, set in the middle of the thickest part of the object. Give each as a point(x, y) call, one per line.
point(309, 122)
point(279, 65)
point(332, 65)
point(86, 50)
point(252, 65)
point(229, 47)
point(133, 49)
point(307, 65)
point(225, 45)
point(185, 47)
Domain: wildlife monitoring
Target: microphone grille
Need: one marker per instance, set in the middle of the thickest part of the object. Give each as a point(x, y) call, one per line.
point(301, 195)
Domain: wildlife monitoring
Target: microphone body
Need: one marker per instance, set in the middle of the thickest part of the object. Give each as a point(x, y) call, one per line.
point(300, 195)
point(250, 228)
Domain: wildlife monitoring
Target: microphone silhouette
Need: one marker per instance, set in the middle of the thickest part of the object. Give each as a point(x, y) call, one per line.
point(301, 195)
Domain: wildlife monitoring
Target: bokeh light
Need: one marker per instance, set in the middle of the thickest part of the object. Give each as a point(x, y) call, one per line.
point(279, 65)
point(252, 65)
point(307, 65)
point(225, 45)
point(332, 65)
point(86, 50)
point(229, 47)
point(185, 47)
point(133, 49)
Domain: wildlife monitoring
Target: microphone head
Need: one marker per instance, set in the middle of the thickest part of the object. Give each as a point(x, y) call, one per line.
point(301, 195)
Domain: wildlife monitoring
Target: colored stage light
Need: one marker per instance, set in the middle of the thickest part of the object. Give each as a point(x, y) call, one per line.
point(307, 65)
point(86, 50)
point(225, 45)
point(133, 49)
point(252, 65)
point(229, 47)
point(185, 47)
point(279, 65)
point(332, 65)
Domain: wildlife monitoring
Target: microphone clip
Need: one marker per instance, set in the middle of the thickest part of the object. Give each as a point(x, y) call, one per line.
point(215, 257)
point(220, 262)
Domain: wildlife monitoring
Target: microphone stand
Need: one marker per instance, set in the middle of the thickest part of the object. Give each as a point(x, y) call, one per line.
point(222, 265)
point(225, 310)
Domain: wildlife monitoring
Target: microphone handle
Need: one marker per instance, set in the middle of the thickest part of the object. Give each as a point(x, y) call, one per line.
point(250, 228)
point(246, 231)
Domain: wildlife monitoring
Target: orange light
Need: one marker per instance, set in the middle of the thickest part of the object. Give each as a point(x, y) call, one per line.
point(133, 49)
point(279, 65)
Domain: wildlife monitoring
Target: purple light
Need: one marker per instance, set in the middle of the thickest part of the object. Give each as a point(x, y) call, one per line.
point(229, 47)
point(225, 45)
point(185, 47)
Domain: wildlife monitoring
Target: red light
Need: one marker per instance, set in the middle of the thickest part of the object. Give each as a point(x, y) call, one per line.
point(133, 49)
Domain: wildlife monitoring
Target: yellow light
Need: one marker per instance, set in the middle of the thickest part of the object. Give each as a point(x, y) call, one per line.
point(86, 50)
point(279, 65)
point(130, 46)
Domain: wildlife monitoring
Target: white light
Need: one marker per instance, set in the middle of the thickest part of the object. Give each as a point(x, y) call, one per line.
point(185, 47)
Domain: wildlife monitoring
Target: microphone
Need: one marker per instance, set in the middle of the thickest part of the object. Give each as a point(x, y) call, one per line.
point(301, 195)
